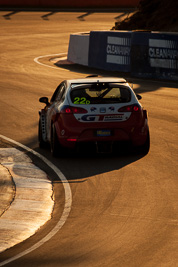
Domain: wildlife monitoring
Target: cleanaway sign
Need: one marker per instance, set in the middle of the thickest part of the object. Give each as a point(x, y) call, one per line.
point(154, 55)
point(163, 53)
point(118, 50)
point(110, 50)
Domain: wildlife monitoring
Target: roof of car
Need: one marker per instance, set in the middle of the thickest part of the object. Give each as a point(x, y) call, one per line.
point(97, 80)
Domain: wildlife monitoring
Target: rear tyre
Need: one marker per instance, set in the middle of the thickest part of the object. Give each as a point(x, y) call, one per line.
point(55, 146)
point(144, 149)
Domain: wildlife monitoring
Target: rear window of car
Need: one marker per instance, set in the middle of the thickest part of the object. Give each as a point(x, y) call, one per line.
point(100, 94)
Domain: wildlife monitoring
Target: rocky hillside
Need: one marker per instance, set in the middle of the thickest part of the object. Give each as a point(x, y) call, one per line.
point(155, 15)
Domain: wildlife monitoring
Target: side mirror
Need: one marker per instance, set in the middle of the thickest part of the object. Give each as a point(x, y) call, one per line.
point(44, 99)
point(139, 97)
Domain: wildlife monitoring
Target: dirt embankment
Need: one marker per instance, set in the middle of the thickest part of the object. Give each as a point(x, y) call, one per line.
point(154, 15)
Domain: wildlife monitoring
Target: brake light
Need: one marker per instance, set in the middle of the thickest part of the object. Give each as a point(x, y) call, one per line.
point(136, 108)
point(131, 108)
point(72, 110)
point(67, 110)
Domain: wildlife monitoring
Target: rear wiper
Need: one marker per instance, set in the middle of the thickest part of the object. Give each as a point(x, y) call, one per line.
point(104, 93)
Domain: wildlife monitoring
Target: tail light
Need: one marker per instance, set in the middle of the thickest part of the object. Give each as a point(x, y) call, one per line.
point(72, 110)
point(130, 108)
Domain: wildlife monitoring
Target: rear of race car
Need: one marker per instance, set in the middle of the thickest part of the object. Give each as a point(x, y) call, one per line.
point(101, 113)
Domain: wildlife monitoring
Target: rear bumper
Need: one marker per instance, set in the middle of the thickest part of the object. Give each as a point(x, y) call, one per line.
point(136, 137)
point(70, 131)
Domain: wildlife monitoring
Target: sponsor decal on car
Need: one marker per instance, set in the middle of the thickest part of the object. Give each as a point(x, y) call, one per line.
point(103, 133)
point(93, 109)
point(111, 108)
point(101, 118)
point(118, 117)
point(88, 118)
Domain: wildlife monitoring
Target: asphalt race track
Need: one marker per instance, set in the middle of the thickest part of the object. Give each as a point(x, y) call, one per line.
point(124, 207)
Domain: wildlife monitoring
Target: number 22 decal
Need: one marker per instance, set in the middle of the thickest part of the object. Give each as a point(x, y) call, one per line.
point(81, 100)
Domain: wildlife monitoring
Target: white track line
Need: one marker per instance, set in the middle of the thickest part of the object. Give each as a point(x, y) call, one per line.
point(67, 205)
point(52, 67)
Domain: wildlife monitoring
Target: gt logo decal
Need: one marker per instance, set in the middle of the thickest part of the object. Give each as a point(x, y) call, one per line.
point(92, 118)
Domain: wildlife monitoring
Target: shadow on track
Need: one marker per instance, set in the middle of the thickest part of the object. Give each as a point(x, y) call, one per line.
point(80, 165)
point(8, 16)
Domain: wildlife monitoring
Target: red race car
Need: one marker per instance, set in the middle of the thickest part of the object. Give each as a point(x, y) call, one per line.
point(95, 110)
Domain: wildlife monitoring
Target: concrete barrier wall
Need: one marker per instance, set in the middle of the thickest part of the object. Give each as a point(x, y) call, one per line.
point(70, 3)
point(79, 48)
point(142, 54)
